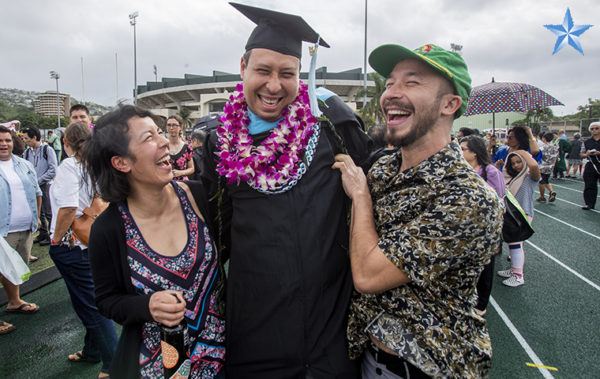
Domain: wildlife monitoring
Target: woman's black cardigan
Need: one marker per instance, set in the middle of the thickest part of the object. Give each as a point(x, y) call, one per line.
point(116, 296)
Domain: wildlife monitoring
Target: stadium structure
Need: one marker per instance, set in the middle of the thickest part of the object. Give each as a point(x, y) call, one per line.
point(205, 95)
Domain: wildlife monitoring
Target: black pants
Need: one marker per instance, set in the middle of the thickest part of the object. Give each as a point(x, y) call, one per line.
point(590, 178)
point(484, 284)
point(46, 212)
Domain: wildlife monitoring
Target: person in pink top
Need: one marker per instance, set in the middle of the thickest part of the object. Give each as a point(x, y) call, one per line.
point(477, 155)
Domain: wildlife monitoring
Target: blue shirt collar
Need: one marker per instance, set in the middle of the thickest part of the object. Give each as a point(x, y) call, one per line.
point(257, 125)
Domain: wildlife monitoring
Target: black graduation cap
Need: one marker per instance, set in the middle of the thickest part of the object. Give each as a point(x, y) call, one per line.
point(281, 32)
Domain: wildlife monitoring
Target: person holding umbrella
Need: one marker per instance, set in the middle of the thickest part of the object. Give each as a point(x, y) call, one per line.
point(517, 138)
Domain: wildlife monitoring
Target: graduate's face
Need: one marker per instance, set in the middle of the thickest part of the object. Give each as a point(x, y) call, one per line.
point(148, 160)
point(271, 82)
point(414, 100)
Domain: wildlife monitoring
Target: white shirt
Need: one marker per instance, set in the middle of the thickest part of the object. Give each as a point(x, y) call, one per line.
point(69, 190)
point(20, 214)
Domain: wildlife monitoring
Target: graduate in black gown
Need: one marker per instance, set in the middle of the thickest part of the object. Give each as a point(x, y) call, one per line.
point(283, 212)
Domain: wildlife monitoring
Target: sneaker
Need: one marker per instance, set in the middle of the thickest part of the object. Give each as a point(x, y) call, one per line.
point(587, 208)
point(542, 199)
point(514, 281)
point(552, 197)
point(505, 273)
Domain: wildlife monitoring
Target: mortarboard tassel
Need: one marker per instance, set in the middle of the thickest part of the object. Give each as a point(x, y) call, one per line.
point(312, 80)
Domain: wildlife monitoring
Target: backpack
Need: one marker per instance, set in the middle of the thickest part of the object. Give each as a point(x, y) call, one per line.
point(44, 152)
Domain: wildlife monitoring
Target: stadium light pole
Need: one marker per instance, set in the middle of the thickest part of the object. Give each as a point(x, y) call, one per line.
point(132, 22)
point(365, 61)
point(55, 75)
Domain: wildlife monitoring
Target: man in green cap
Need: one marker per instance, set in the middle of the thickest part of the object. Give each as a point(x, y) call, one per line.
point(423, 226)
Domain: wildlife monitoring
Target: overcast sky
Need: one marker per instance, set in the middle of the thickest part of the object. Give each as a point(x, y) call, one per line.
point(504, 39)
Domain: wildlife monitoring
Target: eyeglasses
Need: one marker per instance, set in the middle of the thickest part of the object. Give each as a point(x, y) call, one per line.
point(594, 128)
point(172, 125)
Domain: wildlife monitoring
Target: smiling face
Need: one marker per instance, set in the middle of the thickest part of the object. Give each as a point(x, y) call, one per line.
point(31, 142)
point(271, 82)
point(148, 161)
point(414, 100)
point(6, 146)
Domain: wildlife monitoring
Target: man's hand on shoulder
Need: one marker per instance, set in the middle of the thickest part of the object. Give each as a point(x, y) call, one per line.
point(353, 177)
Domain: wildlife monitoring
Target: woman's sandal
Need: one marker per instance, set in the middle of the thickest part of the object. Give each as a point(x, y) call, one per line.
point(78, 357)
point(6, 327)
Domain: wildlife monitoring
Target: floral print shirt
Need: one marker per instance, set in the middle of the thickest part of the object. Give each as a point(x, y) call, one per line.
point(440, 223)
point(180, 160)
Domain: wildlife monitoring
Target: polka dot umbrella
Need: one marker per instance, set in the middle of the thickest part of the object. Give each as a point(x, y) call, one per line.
point(507, 97)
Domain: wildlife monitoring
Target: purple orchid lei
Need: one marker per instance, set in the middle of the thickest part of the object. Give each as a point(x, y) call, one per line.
point(275, 161)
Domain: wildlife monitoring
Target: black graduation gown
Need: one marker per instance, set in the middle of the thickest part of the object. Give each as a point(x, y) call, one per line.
point(289, 282)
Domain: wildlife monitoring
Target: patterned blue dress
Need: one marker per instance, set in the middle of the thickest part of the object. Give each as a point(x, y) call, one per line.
point(195, 272)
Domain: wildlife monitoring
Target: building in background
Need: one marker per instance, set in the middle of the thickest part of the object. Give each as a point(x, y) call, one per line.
point(45, 104)
point(205, 95)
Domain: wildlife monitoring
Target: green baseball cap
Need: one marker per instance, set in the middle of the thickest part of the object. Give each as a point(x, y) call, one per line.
point(450, 64)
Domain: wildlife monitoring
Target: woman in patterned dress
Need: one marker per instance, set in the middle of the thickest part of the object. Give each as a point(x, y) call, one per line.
point(182, 156)
point(153, 259)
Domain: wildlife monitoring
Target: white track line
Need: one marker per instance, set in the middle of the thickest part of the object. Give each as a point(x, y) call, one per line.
point(566, 267)
point(570, 189)
point(570, 180)
point(566, 223)
point(532, 355)
point(569, 202)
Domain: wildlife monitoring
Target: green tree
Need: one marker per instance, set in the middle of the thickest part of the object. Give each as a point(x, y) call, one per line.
point(371, 112)
point(185, 113)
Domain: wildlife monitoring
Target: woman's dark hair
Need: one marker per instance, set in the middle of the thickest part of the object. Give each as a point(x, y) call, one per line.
point(522, 137)
point(110, 139)
point(509, 167)
point(467, 132)
point(549, 136)
point(77, 136)
point(477, 146)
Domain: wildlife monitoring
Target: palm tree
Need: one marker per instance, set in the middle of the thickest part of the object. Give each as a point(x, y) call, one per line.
point(185, 113)
point(371, 111)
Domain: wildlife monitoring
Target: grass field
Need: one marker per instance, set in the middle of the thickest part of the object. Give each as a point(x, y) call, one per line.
point(552, 321)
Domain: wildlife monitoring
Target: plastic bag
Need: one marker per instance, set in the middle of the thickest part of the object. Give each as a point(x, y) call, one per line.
point(12, 266)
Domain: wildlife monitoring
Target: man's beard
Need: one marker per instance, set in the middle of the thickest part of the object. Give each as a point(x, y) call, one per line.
point(422, 124)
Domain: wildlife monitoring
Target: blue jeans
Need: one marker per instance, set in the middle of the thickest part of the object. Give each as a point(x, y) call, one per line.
point(100, 337)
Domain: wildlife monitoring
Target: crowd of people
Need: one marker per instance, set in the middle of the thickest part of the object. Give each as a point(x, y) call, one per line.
point(287, 241)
